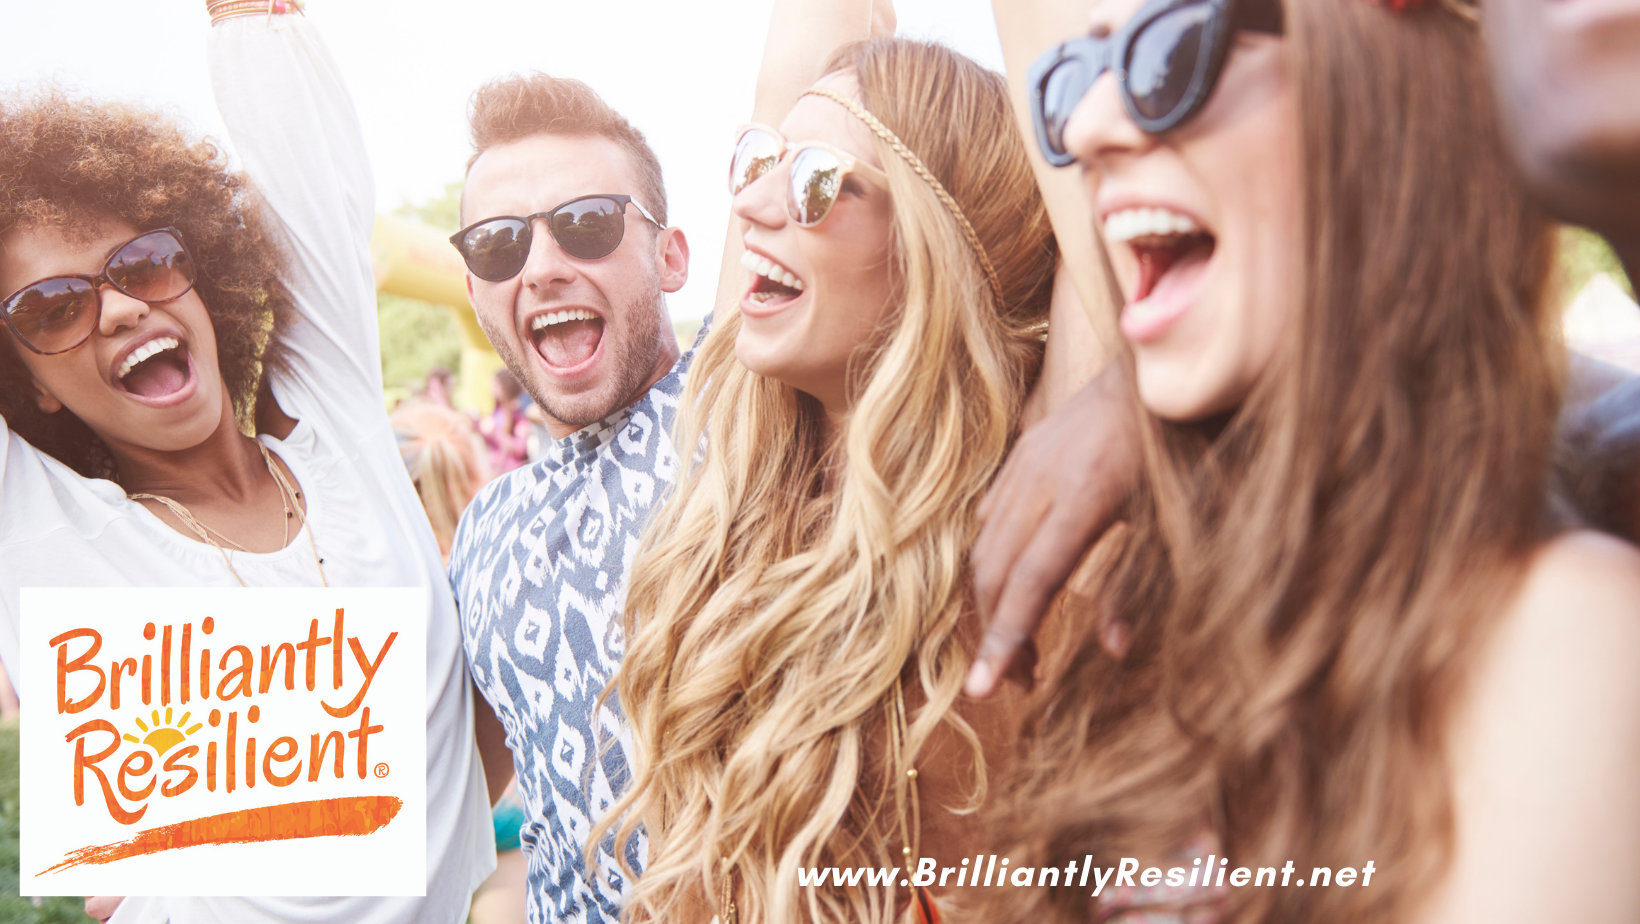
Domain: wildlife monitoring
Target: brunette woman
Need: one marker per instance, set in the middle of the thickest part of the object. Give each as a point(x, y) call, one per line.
point(1347, 626)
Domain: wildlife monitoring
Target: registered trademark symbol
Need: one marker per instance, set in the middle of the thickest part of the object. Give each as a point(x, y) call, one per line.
point(381, 770)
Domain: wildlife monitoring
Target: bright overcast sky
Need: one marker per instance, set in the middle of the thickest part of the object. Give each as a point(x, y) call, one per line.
point(681, 71)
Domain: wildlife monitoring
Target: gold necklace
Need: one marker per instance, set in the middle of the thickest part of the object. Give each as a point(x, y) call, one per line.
point(289, 499)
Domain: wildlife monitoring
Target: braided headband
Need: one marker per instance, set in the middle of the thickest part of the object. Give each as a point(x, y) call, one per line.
point(915, 163)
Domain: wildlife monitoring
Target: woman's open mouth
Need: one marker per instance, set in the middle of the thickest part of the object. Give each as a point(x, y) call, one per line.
point(773, 285)
point(1172, 251)
point(156, 371)
point(567, 339)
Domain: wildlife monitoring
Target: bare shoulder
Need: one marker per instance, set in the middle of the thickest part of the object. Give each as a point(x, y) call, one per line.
point(1580, 599)
point(1545, 748)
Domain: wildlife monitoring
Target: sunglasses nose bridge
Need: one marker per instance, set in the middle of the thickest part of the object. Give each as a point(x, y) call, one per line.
point(762, 201)
point(546, 262)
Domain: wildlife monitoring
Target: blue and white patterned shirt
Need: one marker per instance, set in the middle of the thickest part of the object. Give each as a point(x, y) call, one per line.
point(539, 567)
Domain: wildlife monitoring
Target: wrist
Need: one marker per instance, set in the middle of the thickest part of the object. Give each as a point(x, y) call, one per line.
point(219, 10)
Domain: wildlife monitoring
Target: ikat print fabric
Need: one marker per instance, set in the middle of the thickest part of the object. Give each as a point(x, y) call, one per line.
point(539, 569)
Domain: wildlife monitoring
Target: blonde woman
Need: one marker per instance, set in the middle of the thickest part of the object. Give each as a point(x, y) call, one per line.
point(799, 616)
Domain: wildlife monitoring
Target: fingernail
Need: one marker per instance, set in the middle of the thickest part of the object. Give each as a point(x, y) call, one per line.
point(980, 677)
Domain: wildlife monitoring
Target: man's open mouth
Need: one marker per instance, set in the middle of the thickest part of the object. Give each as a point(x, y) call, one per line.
point(771, 282)
point(157, 369)
point(1164, 242)
point(566, 338)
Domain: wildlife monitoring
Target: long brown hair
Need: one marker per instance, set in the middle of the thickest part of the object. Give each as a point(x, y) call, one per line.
point(787, 588)
point(1305, 585)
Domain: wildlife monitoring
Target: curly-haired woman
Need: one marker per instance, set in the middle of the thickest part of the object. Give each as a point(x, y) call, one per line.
point(157, 308)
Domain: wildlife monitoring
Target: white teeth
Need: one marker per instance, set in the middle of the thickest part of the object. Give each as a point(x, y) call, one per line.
point(559, 317)
point(763, 266)
point(151, 348)
point(1129, 224)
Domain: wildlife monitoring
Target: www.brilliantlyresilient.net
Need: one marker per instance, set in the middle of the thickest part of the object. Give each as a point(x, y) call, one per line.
point(985, 871)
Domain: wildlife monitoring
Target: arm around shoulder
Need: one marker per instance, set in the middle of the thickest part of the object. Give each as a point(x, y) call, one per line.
point(1546, 749)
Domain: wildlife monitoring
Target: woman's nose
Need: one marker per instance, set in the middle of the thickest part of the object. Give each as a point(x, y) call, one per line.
point(119, 311)
point(1099, 127)
point(762, 201)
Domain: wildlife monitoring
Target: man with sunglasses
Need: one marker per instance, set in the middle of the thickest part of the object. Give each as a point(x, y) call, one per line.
point(568, 264)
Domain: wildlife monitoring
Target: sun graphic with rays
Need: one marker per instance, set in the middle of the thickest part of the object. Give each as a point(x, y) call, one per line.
point(164, 735)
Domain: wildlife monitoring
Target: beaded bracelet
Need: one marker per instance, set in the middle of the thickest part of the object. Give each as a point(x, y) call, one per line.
point(228, 9)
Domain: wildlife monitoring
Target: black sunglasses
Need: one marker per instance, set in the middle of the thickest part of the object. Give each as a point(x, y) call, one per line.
point(588, 227)
point(58, 313)
point(1167, 60)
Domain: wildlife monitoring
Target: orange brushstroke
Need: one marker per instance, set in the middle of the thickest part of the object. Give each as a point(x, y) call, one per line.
point(351, 816)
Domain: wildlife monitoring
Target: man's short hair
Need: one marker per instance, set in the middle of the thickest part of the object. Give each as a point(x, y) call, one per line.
point(521, 105)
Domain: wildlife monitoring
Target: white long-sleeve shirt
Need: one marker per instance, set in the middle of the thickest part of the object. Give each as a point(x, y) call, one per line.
point(294, 125)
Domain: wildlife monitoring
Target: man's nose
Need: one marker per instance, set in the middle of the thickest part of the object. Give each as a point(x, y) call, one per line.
point(547, 263)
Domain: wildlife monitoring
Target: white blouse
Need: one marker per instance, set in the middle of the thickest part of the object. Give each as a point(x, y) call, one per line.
point(294, 125)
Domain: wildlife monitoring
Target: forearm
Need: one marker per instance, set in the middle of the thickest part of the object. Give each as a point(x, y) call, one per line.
point(492, 747)
point(294, 127)
point(803, 35)
point(1074, 353)
point(1026, 29)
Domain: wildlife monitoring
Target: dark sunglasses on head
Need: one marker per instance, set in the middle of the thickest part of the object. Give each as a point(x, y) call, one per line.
point(59, 313)
point(1167, 59)
point(588, 228)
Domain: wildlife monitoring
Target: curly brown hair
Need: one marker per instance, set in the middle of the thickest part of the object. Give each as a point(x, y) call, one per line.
point(68, 164)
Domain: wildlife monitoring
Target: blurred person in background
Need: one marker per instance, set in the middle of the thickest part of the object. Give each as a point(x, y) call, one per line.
point(439, 447)
point(439, 386)
point(506, 431)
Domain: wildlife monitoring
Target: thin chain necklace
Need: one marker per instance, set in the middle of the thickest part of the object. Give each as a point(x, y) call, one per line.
point(289, 499)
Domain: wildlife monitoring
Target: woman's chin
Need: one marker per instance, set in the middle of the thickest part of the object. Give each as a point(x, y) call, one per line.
point(1179, 391)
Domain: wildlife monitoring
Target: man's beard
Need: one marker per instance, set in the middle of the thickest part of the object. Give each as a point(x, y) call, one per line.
point(633, 360)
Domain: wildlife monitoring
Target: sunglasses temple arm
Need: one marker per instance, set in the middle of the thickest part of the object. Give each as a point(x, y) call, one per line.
point(645, 213)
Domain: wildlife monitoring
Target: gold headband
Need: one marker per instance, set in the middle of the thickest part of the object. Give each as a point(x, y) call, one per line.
point(915, 163)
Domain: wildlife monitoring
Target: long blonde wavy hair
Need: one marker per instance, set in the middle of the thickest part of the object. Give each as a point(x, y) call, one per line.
point(789, 586)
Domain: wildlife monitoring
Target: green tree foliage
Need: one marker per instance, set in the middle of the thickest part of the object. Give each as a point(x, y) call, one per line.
point(416, 336)
point(1583, 254)
point(441, 211)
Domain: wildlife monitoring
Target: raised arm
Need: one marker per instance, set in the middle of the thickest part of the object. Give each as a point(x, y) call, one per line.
point(1067, 475)
point(295, 129)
